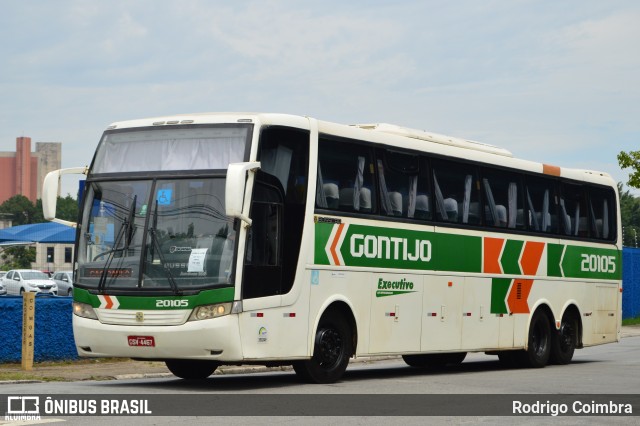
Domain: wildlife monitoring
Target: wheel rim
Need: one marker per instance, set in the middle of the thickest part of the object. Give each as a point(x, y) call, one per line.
point(329, 347)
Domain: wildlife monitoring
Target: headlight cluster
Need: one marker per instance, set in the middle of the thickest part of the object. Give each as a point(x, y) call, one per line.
point(210, 311)
point(84, 310)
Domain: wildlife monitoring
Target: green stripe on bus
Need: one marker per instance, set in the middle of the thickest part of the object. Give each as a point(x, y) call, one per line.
point(323, 232)
point(499, 290)
point(554, 254)
point(511, 256)
point(205, 297)
point(380, 247)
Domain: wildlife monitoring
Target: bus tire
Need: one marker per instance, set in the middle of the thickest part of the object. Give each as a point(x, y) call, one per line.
point(189, 369)
point(434, 360)
point(539, 343)
point(332, 349)
point(564, 341)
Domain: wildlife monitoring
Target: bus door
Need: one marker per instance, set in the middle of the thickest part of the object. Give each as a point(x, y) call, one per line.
point(273, 246)
point(262, 274)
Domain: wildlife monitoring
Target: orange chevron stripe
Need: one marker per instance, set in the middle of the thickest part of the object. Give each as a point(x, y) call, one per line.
point(334, 255)
point(531, 256)
point(492, 249)
point(518, 295)
point(109, 304)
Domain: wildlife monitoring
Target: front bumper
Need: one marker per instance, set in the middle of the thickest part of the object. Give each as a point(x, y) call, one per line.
point(216, 339)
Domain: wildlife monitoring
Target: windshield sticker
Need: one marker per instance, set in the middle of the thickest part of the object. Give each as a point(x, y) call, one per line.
point(164, 197)
point(196, 260)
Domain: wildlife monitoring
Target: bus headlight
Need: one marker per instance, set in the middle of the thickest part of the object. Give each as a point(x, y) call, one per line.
point(84, 310)
point(210, 311)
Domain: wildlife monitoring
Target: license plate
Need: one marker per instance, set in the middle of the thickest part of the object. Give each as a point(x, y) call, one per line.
point(147, 341)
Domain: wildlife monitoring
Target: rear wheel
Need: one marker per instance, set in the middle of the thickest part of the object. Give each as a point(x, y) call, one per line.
point(191, 369)
point(539, 347)
point(434, 360)
point(564, 341)
point(332, 349)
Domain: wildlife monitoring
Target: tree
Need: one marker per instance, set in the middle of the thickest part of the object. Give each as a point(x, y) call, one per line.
point(630, 212)
point(18, 257)
point(631, 160)
point(66, 208)
point(22, 210)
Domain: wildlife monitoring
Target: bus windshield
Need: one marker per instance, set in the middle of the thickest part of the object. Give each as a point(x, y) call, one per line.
point(156, 234)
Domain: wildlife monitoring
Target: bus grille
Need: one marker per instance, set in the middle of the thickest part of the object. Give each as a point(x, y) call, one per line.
point(134, 317)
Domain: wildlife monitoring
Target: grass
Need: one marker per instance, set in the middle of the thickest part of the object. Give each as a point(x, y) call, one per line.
point(12, 371)
point(16, 375)
point(631, 321)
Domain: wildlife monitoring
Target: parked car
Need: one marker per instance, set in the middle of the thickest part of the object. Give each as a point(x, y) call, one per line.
point(64, 280)
point(18, 281)
point(3, 290)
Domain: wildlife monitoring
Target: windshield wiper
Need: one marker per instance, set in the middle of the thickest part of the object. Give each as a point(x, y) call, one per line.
point(126, 229)
point(156, 244)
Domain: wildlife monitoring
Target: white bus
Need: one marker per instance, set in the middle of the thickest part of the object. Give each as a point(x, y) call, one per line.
point(232, 238)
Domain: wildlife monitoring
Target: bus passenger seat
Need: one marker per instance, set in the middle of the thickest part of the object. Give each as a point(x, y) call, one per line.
point(520, 218)
point(346, 199)
point(422, 207)
point(600, 228)
point(451, 207)
point(474, 212)
point(501, 213)
point(396, 203)
point(365, 200)
point(333, 197)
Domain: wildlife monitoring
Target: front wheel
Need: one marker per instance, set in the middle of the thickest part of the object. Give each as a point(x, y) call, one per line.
point(332, 349)
point(191, 369)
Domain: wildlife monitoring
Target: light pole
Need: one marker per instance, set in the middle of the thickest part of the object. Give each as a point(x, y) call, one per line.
point(48, 264)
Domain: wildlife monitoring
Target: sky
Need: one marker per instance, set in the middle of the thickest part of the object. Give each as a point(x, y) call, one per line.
point(552, 81)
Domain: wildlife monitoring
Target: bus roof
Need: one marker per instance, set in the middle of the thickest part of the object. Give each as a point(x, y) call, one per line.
point(434, 137)
point(379, 133)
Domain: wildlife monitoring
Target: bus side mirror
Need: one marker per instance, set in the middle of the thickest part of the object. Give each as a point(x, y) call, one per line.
point(235, 189)
point(50, 190)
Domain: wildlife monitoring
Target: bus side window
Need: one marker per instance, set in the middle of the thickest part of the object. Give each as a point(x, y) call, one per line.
point(601, 213)
point(456, 192)
point(398, 180)
point(573, 210)
point(540, 200)
point(503, 206)
point(345, 177)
